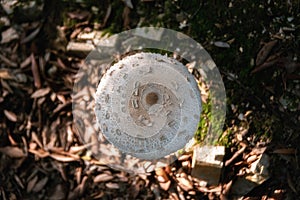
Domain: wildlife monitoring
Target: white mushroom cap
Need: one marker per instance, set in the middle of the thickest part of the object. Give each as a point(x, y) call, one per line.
point(148, 105)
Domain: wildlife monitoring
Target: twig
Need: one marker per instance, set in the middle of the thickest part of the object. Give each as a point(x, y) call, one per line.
point(236, 154)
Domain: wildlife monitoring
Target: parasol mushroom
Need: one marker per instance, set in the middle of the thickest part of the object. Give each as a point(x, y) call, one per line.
point(148, 105)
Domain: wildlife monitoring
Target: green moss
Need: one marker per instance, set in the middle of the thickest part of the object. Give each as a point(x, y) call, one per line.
point(205, 121)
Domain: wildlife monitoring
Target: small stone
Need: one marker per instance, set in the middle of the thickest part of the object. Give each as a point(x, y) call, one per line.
point(256, 175)
point(207, 163)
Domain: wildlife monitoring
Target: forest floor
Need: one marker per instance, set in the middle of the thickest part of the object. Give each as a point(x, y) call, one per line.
point(255, 45)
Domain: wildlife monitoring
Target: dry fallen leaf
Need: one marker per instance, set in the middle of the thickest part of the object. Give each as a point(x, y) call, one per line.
point(59, 192)
point(31, 184)
point(126, 17)
point(165, 185)
point(161, 175)
point(128, 3)
point(25, 62)
point(285, 151)
point(14, 152)
point(40, 153)
point(264, 52)
point(63, 158)
point(10, 115)
point(40, 184)
point(40, 92)
point(78, 14)
point(8, 61)
point(35, 72)
point(112, 185)
point(31, 36)
point(108, 12)
point(221, 44)
point(5, 74)
point(184, 183)
point(9, 35)
point(184, 157)
point(103, 178)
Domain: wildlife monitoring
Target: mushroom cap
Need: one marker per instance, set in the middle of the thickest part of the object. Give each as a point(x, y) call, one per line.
point(148, 105)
